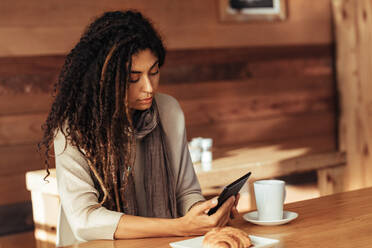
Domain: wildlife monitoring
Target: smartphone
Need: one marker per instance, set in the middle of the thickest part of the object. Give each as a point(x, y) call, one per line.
point(229, 190)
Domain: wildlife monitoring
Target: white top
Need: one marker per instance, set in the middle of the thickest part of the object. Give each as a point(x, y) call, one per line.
point(79, 221)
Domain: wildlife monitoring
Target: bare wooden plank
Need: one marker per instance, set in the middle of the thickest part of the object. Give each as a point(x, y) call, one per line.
point(248, 87)
point(45, 40)
point(26, 129)
point(226, 66)
point(353, 24)
point(37, 75)
point(300, 58)
point(29, 75)
point(51, 27)
point(18, 104)
point(31, 65)
point(315, 52)
point(19, 240)
point(21, 129)
point(18, 159)
point(211, 110)
point(279, 128)
point(331, 180)
point(310, 145)
point(13, 189)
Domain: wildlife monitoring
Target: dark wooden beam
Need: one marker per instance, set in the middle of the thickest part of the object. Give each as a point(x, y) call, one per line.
point(38, 74)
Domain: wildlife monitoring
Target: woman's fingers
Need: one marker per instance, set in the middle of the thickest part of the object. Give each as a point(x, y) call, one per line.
point(225, 208)
point(203, 207)
point(224, 220)
point(237, 200)
point(234, 213)
point(222, 215)
point(218, 219)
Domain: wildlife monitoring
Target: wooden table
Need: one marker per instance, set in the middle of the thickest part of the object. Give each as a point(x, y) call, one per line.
point(342, 220)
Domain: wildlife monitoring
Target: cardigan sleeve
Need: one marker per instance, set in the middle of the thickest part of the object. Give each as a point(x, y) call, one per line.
point(78, 196)
point(188, 188)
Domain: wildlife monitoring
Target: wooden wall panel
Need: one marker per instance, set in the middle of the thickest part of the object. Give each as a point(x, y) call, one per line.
point(23, 104)
point(36, 75)
point(13, 189)
point(224, 127)
point(53, 27)
point(224, 110)
point(251, 87)
point(21, 129)
point(228, 109)
point(237, 96)
point(18, 159)
point(273, 129)
point(310, 54)
point(311, 144)
point(212, 103)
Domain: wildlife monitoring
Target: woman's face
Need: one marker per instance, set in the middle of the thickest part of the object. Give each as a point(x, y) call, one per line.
point(144, 80)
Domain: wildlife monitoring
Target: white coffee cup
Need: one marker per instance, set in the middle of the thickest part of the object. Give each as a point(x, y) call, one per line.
point(270, 196)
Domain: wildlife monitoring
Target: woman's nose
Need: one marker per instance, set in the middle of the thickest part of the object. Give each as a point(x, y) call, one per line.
point(147, 87)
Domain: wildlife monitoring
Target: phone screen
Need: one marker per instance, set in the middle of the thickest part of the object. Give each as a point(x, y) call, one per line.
point(230, 190)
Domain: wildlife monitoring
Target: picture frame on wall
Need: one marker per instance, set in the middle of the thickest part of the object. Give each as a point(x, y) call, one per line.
point(252, 10)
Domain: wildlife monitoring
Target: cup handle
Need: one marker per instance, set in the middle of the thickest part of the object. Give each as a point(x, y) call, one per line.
point(284, 194)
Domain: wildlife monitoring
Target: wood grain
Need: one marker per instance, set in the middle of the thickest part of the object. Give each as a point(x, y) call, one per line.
point(281, 72)
point(268, 92)
point(18, 159)
point(273, 129)
point(331, 180)
point(21, 129)
point(244, 65)
point(52, 27)
point(19, 240)
point(246, 105)
point(24, 104)
point(249, 87)
point(209, 103)
point(353, 25)
point(13, 189)
point(311, 52)
point(25, 130)
point(37, 74)
point(316, 226)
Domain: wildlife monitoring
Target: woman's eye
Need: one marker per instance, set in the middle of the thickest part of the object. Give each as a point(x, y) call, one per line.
point(154, 71)
point(134, 79)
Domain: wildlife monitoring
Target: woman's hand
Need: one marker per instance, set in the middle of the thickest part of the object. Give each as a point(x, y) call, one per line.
point(198, 222)
point(234, 210)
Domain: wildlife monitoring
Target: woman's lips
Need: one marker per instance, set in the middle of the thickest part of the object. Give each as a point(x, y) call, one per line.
point(146, 100)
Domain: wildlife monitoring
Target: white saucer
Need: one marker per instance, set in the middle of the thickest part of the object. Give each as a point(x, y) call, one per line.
point(253, 218)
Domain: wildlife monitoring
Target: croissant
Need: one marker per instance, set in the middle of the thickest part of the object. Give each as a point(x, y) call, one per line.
point(226, 237)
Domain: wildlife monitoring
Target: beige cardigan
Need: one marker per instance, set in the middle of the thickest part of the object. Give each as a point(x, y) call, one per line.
point(79, 221)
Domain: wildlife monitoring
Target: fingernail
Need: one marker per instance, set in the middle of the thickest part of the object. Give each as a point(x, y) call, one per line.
point(214, 201)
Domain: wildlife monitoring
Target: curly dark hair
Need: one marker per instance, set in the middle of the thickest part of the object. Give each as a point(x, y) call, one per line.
point(90, 103)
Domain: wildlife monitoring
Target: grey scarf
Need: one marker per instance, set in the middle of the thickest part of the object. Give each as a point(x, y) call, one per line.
point(158, 175)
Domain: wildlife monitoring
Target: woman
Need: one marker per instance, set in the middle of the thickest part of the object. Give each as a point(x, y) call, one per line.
point(123, 166)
